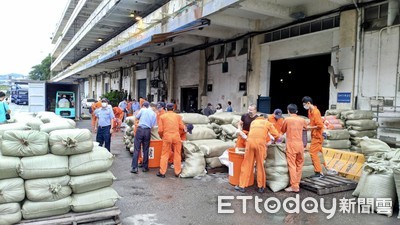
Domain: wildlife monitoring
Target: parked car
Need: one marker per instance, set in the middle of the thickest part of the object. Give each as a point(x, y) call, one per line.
point(87, 102)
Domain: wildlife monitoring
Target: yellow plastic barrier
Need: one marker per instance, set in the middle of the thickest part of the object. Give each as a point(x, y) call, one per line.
point(347, 164)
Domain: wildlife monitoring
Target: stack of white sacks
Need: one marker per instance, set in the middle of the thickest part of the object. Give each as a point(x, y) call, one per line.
point(50, 168)
point(202, 146)
point(360, 123)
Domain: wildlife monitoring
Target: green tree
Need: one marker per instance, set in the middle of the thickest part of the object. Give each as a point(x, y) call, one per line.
point(41, 71)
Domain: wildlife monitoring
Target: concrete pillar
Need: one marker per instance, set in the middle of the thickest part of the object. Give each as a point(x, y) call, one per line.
point(170, 81)
point(346, 56)
point(203, 77)
point(133, 83)
point(148, 78)
point(253, 77)
point(90, 79)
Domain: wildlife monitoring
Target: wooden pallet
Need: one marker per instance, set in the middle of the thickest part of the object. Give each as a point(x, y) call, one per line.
point(109, 216)
point(328, 184)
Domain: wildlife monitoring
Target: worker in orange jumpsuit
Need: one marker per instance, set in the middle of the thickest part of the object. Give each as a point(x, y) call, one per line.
point(293, 126)
point(256, 150)
point(168, 129)
point(276, 119)
point(119, 115)
point(96, 105)
point(161, 111)
point(317, 128)
point(244, 125)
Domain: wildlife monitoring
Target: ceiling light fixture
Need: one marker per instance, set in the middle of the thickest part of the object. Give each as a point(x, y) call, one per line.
point(99, 39)
point(138, 18)
point(132, 15)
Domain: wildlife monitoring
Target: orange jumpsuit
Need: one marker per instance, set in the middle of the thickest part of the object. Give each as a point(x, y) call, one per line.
point(159, 114)
point(316, 137)
point(256, 150)
point(276, 122)
point(168, 128)
point(293, 126)
point(119, 115)
point(94, 107)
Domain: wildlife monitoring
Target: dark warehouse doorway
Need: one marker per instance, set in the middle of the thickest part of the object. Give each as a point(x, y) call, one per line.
point(292, 79)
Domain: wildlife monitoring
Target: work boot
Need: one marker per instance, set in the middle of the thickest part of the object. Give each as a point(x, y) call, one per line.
point(240, 189)
point(260, 190)
point(317, 175)
point(160, 175)
point(290, 189)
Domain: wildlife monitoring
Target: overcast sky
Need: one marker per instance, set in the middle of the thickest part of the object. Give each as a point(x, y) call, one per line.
point(26, 28)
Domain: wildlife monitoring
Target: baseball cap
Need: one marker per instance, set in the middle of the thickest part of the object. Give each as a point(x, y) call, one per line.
point(160, 105)
point(278, 113)
point(146, 104)
point(189, 128)
point(104, 100)
point(170, 106)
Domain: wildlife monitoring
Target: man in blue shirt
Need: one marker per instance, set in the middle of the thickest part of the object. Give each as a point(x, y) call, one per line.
point(104, 124)
point(4, 108)
point(135, 106)
point(147, 120)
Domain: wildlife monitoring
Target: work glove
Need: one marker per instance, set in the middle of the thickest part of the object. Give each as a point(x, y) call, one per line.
point(243, 135)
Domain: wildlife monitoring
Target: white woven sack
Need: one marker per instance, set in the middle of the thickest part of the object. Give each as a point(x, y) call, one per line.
point(221, 118)
point(379, 183)
point(276, 167)
point(34, 123)
point(91, 182)
point(9, 166)
point(363, 133)
point(93, 200)
point(10, 213)
point(361, 124)
point(24, 143)
point(13, 126)
point(97, 161)
point(12, 190)
point(337, 134)
point(213, 162)
point(43, 166)
point(201, 133)
point(194, 118)
point(57, 124)
point(396, 174)
point(357, 115)
point(33, 210)
point(337, 144)
point(70, 141)
point(48, 189)
point(370, 146)
point(195, 164)
point(213, 148)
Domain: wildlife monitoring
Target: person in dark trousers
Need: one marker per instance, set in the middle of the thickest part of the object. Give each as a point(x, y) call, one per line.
point(147, 120)
point(208, 110)
point(104, 124)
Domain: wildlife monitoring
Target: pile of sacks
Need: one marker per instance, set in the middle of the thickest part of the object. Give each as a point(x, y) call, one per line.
point(276, 167)
point(360, 123)
point(380, 176)
point(128, 138)
point(336, 135)
point(48, 168)
point(202, 147)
